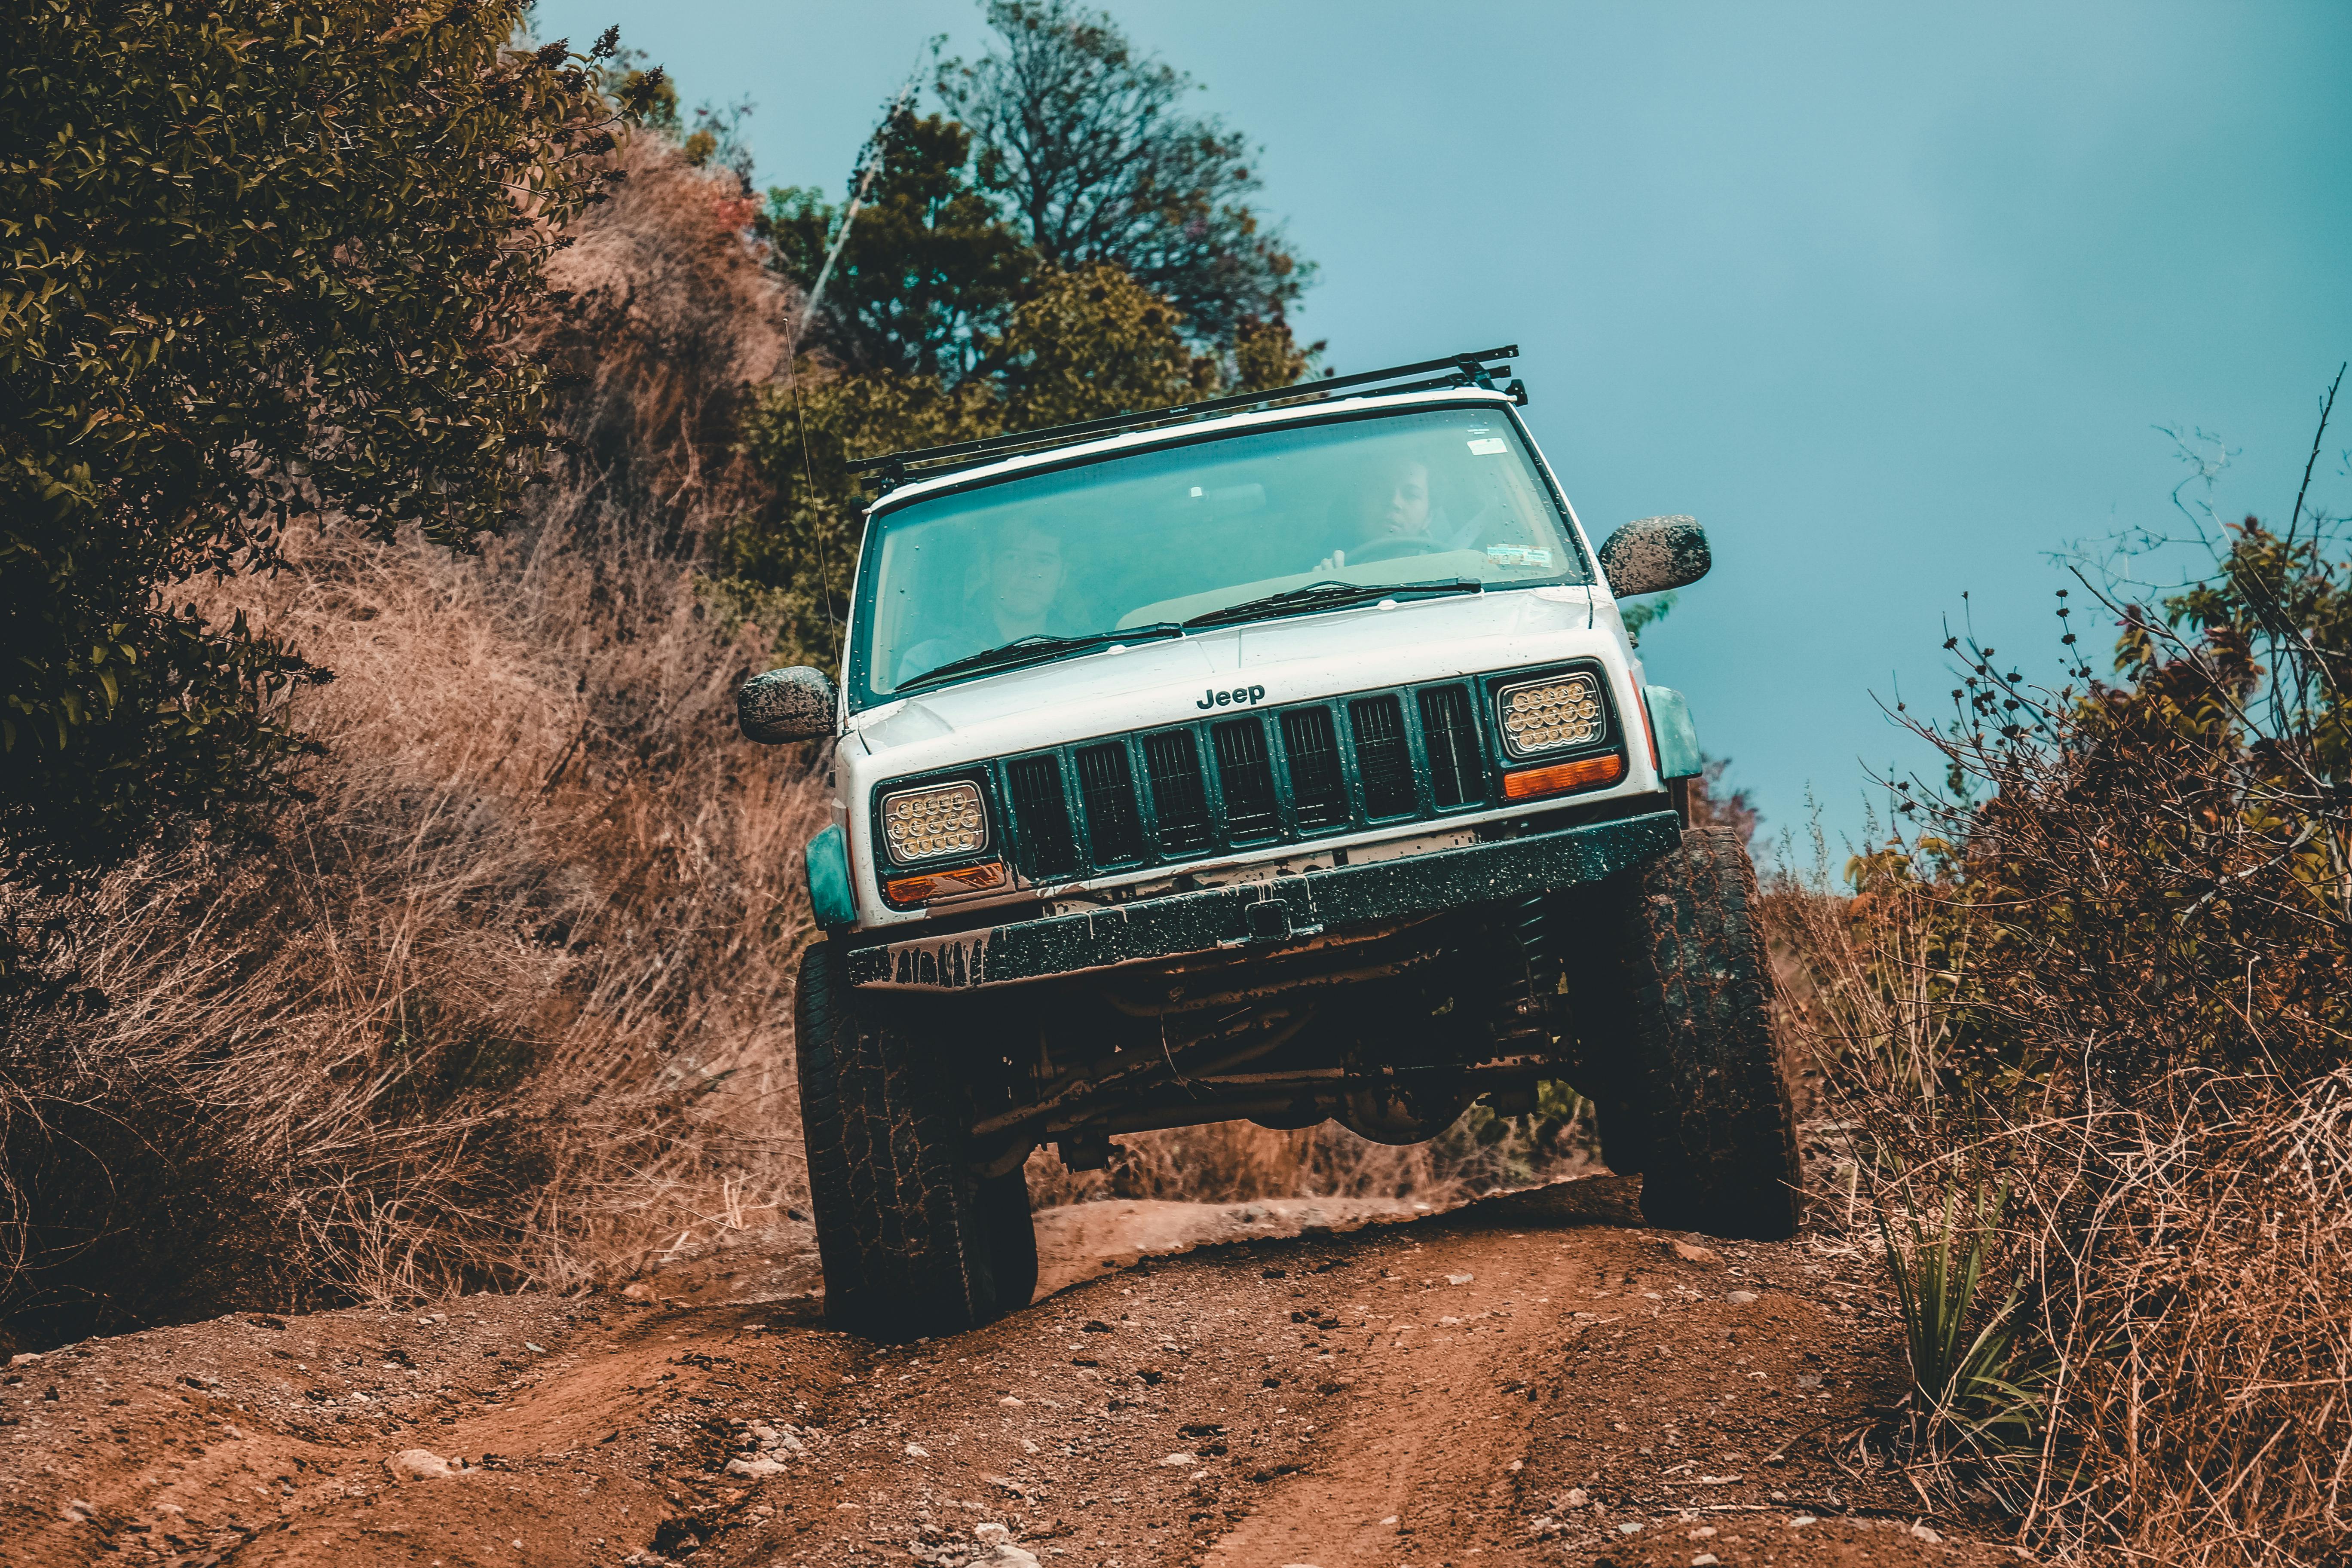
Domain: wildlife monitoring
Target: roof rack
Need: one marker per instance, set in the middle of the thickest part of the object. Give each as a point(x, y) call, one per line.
point(1461, 369)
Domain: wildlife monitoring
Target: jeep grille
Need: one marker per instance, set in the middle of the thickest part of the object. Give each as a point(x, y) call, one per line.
point(1195, 791)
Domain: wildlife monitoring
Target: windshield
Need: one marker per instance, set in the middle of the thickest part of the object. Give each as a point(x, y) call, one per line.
point(1145, 543)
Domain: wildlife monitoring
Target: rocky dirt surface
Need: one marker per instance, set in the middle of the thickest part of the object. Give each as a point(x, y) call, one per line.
point(1534, 1378)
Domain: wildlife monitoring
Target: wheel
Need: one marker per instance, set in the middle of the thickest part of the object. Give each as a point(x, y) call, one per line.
point(911, 1241)
point(1676, 1024)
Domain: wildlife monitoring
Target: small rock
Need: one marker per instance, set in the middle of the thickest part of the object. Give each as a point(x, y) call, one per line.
point(1000, 1550)
point(1740, 1298)
point(763, 1432)
point(1703, 1558)
point(535, 1350)
point(1690, 1252)
point(230, 1430)
point(1928, 1535)
point(1798, 1521)
point(1547, 1528)
point(1010, 1403)
point(755, 1469)
point(917, 1451)
point(1459, 1279)
point(637, 1290)
point(1628, 1528)
point(1577, 1498)
point(417, 1465)
point(23, 1358)
point(1180, 1459)
point(77, 1512)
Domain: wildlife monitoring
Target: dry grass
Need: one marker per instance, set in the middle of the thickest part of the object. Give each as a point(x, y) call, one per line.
point(505, 1002)
point(2108, 984)
point(1237, 1162)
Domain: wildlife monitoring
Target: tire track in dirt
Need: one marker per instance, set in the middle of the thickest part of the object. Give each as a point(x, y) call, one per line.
point(1517, 1381)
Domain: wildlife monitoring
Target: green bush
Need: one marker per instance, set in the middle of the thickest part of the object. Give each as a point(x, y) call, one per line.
point(263, 260)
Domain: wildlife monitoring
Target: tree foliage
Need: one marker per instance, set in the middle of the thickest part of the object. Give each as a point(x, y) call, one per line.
point(928, 275)
point(1089, 143)
point(1063, 150)
point(261, 261)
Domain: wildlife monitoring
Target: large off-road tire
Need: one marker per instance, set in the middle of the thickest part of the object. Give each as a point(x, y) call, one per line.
point(1676, 1019)
point(912, 1242)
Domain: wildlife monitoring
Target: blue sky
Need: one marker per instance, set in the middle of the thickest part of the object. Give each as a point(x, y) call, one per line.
point(1891, 299)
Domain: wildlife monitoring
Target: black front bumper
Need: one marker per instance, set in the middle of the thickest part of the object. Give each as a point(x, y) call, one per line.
point(1264, 914)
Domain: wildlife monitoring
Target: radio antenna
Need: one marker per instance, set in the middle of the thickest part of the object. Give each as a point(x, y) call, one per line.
point(869, 166)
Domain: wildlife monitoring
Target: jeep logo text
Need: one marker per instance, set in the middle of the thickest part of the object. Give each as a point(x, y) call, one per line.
point(1239, 697)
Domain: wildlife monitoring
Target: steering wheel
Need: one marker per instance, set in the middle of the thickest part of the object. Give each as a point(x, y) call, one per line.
point(1391, 548)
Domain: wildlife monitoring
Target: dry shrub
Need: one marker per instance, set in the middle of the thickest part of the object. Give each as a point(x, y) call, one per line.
point(2106, 979)
point(1239, 1161)
point(504, 1001)
point(2197, 1313)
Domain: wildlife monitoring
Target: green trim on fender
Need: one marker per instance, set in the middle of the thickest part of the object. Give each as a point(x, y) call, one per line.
point(1676, 737)
point(828, 879)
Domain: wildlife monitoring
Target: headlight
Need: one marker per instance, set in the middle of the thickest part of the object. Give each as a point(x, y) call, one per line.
point(932, 824)
point(1554, 714)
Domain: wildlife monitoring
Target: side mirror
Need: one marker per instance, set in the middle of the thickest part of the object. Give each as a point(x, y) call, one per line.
point(1655, 555)
point(794, 704)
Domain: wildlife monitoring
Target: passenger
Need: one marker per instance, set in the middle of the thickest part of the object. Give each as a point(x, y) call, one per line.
point(1020, 597)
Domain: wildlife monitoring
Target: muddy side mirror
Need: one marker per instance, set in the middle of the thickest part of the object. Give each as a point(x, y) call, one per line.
point(794, 704)
point(1655, 555)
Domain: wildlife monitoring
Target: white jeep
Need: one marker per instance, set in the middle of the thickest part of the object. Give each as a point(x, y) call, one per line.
point(1280, 757)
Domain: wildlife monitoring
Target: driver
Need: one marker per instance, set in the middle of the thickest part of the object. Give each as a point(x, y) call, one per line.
point(1020, 597)
point(1390, 514)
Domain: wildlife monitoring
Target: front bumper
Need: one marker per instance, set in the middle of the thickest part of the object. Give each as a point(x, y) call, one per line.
point(1264, 914)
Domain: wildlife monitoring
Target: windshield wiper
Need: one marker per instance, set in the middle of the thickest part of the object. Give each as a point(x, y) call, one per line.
point(1037, 648)
point(1331, 594)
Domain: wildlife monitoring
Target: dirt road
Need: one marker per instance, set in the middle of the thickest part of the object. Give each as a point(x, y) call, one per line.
point(1535, 1378)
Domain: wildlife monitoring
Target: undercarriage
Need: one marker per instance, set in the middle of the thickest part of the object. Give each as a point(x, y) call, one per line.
point(1391, 1031)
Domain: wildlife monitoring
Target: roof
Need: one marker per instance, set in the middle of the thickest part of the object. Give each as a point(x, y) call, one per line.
point(1461, 371)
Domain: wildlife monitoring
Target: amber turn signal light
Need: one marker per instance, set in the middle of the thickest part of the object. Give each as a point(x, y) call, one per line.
point(935, 884)
point(1562, 777)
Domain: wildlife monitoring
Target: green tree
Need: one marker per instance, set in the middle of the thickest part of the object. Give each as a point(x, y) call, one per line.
point(928, 275)
point(1090, 146)
point(263, 260)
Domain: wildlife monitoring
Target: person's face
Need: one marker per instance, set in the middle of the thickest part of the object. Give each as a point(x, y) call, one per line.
point(1026, 573)
point(1398, 503)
